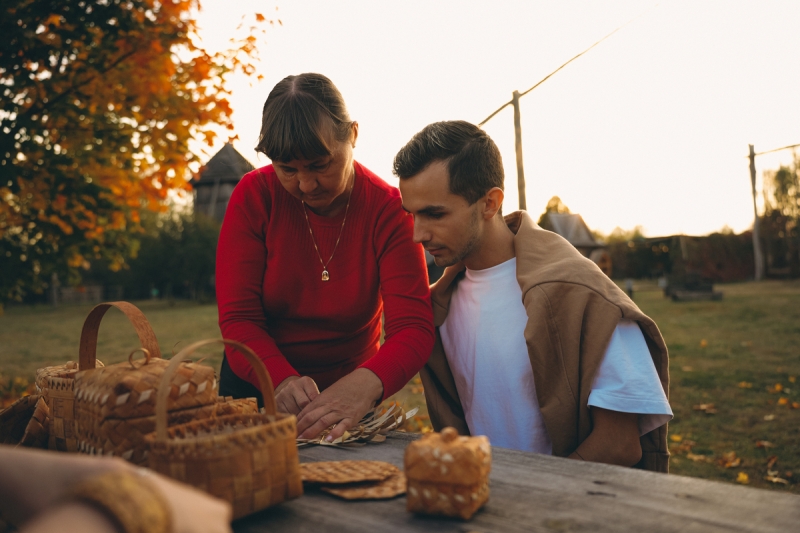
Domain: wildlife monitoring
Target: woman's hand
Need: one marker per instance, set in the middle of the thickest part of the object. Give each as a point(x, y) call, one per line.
point(344, 403)
point(295, 393)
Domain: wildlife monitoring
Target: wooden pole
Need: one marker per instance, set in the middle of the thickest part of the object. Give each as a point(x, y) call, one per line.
point(757, 256)
point(518, 147)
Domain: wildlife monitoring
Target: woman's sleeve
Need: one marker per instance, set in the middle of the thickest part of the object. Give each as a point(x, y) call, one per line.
point(408, 318)
point(241, 261)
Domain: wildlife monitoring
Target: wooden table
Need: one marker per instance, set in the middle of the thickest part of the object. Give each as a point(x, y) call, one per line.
point(532, 492)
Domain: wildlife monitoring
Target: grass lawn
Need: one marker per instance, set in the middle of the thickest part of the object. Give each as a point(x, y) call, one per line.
point(733, 366)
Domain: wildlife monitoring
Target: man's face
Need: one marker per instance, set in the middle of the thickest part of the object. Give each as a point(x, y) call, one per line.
point(446, 225)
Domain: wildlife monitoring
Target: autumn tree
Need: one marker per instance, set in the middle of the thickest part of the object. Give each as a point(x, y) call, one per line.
point(554, 205)
point(99, 101)
point(781, 221)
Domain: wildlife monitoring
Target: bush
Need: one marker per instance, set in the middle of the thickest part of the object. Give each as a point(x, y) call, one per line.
point(176, 259)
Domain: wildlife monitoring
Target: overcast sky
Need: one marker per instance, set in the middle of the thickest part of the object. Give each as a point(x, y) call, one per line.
point(649, 128)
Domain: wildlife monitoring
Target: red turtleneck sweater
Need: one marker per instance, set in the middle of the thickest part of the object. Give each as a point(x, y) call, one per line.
point(272, 298)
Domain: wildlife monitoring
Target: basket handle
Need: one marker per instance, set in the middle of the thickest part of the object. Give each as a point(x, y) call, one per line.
point(88, 349)
point(267, 390)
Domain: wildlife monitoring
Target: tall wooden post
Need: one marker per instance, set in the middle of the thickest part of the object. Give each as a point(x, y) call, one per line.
point(518, 147)
point(757, 256)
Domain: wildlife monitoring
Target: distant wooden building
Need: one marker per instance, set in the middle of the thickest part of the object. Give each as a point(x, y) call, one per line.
point(574, 229)
point(217, 180)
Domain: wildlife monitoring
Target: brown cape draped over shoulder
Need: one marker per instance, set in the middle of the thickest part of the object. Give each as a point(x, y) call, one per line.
point(573, 309)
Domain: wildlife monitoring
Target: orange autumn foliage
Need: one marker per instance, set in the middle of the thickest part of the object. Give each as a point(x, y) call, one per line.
point(99, 104)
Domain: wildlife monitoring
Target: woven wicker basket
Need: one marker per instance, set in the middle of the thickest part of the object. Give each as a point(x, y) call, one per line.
point(115, 405)
point(24, 422)
point(57, 383)
point(249, 460)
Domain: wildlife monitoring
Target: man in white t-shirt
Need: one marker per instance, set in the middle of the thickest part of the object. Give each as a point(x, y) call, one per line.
point(536, 348)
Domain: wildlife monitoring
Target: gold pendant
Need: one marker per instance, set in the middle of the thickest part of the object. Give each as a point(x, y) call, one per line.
point(325, 276)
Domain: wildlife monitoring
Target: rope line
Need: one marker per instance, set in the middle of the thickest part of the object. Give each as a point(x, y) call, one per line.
point(564, 65)
point(776, 150)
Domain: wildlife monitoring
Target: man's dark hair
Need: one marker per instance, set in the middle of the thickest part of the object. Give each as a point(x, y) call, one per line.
point(300, 113)
point(473, 161)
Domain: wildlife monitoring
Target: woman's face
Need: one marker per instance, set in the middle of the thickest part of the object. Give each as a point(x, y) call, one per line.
point(322, 182)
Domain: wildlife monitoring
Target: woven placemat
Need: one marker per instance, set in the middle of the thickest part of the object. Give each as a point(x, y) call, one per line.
point(340, 472)
point(394, 485)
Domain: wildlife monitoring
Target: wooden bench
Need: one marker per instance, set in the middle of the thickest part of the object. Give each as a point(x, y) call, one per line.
point(532, 492)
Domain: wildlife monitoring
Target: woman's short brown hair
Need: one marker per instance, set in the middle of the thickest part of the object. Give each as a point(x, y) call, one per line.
point(300, 114)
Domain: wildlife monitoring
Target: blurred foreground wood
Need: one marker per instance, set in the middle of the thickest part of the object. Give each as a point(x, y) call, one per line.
point(532, 492)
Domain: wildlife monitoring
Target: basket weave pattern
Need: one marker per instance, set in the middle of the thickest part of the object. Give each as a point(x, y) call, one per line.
point(128, 390)
point(250, 461)
point(56, 383)
point(56, 386)
point(126, 437)
point(115, 405)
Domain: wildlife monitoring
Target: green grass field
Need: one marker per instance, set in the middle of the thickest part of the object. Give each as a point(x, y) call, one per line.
point(733, 366)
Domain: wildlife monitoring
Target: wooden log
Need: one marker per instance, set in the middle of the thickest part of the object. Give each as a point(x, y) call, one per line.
point(518, 150)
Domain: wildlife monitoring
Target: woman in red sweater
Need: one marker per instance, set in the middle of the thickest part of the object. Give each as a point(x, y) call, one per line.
point(313, 250)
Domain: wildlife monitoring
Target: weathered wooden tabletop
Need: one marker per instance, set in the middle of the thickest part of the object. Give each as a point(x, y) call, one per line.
point(532, 492)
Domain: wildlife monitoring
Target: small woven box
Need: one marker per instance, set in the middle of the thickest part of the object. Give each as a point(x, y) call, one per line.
point(115, 406)
point(249, 460)
point(447, 475)
point(56, 384)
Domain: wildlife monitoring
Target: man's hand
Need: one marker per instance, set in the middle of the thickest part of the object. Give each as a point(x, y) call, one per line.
point(344, 403)
point(295, 393)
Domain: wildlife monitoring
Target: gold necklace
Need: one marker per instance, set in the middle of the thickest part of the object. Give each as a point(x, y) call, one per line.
point(325, 274)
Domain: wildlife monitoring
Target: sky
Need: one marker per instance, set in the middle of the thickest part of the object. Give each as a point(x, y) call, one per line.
point(650, 128)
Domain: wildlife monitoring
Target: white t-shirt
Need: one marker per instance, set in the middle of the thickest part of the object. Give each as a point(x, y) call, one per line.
point(483, 337)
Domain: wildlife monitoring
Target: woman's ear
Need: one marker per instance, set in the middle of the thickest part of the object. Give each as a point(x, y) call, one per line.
point(354, 134)
point(493, 202)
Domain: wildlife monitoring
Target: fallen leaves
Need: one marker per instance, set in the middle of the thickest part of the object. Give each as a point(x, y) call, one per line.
point(773, 477)
point(418, 424)
point(703, 343)
point(13, 389)
point(744, 385)
point(729, 460)
point(764, 444)
point(743, 478)
point(684, 446)
point(775, 389)
point(707, 408)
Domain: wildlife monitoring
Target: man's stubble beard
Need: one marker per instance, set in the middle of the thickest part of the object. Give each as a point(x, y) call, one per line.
point(468, 247)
